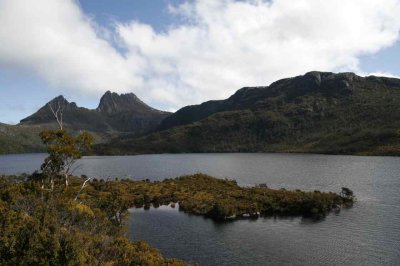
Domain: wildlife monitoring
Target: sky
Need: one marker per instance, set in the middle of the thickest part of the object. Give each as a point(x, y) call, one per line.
point(173, 53)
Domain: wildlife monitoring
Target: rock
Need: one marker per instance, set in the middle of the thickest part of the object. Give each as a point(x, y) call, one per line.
point(112, 102)
point(315, 76)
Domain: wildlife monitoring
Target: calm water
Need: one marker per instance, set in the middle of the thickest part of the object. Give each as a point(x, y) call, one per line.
point(367, 234)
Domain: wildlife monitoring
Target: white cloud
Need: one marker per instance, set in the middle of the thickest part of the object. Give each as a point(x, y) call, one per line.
point(56, 41)
point(222, 46)
point(230, 44)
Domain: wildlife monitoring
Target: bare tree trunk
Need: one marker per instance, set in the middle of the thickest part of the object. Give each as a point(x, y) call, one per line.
point(68, 170)
point(58, 114)
point(82, 187)
point(42, 196)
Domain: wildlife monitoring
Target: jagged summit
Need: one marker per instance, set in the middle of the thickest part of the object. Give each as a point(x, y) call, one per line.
point(62, 102)
point(45, 115)
point(59, 98)
point(112, 102)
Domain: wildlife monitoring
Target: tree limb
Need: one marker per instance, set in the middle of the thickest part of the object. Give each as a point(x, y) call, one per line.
point(82, 187)
point(58, 114)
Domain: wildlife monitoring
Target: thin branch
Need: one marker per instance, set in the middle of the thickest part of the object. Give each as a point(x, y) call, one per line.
point(58, 114)
point(47, 164)
point(83, 186)
point(61, 117)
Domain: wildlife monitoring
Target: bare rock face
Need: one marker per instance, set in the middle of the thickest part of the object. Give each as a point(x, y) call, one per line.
point(112, 102)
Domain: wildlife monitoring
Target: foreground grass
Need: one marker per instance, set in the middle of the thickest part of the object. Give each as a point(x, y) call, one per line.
point(41, 227)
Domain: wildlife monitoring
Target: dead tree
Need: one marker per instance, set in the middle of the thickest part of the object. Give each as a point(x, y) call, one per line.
point(82, 187)
point(58, 113)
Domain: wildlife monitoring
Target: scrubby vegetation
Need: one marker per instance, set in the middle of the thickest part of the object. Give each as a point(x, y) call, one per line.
point(223, 199)
point(49, 227)
point(20, 139)
point(43, 227)
point(25, 138)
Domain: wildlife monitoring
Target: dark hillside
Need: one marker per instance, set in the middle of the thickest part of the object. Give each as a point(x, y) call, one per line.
point(318, 112)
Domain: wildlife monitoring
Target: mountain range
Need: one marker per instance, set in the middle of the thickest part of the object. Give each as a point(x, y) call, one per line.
point(319, 112)
point(116, 115)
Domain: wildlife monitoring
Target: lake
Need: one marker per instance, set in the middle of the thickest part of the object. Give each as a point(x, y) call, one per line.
point(367, 234)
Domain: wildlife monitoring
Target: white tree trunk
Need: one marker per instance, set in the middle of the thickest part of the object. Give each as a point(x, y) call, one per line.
point(82, 187)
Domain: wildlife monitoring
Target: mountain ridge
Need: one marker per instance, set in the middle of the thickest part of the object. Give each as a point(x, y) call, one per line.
point(320, 112)
point(333, 84)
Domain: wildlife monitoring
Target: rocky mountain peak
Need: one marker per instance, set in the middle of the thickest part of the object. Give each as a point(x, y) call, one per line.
point(328, 83)
point(59, 98)
point(329, 75)
point(62, 102)
point(112, 102)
